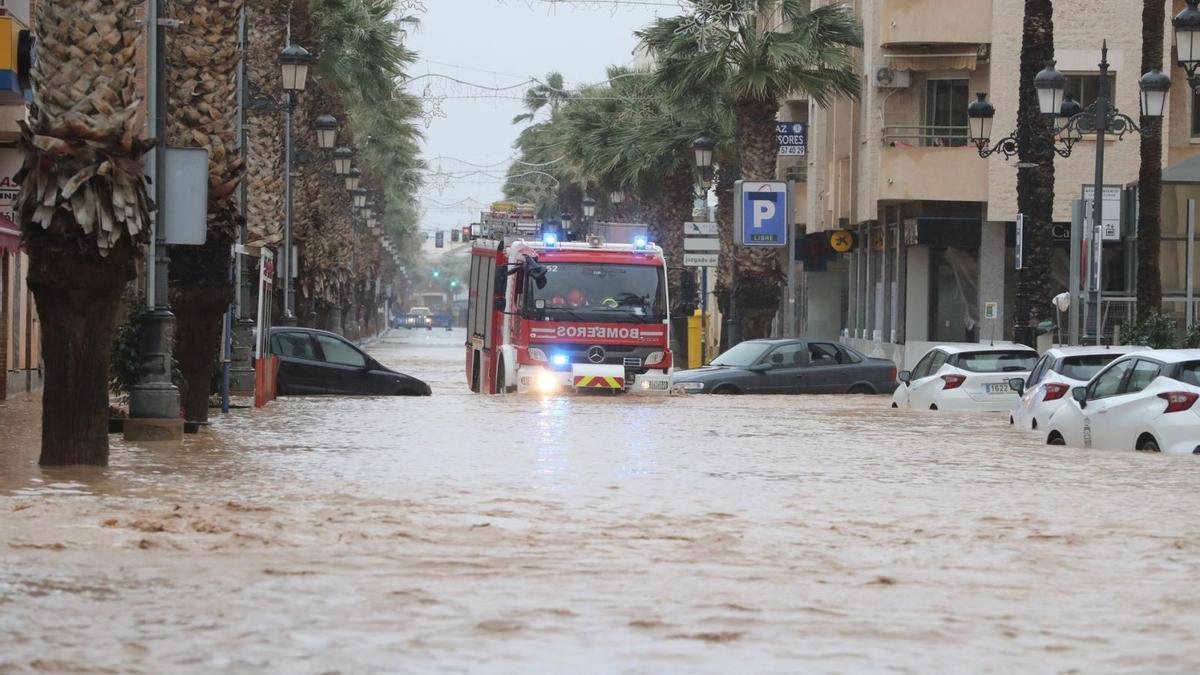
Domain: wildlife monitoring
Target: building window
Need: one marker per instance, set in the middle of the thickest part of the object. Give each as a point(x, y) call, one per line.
point(1195, 115)
point(797, 172)
point(945, 113)
point(1084, 87)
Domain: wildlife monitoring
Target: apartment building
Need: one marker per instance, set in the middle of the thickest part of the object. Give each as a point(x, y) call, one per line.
point(934, 229)
point(20, 330)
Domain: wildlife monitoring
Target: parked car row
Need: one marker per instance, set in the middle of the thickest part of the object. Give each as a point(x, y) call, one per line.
point(1093, 397)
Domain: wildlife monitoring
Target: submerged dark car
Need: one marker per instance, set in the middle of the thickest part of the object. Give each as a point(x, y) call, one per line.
point(794, 366)
point(319, 362)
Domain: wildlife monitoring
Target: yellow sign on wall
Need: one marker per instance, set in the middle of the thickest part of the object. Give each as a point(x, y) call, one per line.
point(841, 241)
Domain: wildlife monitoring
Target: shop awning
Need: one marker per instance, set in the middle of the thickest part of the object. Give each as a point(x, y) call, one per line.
point(10, 236)
point(956, 57)
point(1187, 171)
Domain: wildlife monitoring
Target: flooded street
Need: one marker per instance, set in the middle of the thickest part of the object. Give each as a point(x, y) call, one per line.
point(598, 534)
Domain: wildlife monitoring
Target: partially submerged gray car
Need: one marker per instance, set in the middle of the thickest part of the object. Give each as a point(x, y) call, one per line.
point(792, 366)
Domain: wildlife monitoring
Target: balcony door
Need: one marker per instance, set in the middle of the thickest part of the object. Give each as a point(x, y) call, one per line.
point(945, 113)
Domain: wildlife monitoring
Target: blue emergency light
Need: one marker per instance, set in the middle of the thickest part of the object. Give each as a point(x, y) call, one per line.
point(550, 238)
point(640, 242)
point(559, 360)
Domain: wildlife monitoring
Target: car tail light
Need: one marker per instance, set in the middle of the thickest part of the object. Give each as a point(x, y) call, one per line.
point(895, 372)
point(953, 381)
point(1056, 391)
point(1178, 401)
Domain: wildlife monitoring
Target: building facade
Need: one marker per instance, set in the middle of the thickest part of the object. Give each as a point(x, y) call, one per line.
point(933, 223)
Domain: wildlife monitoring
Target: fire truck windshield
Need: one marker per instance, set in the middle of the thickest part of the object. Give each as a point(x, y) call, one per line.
point(604, 293)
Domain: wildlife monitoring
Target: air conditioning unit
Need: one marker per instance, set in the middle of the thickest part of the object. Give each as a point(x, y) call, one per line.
point(890, 78)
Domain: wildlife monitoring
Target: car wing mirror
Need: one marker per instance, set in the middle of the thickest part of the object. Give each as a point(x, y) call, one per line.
point(760, 367)
point(904, 376)
point(1080, 395)
point(1017, 384)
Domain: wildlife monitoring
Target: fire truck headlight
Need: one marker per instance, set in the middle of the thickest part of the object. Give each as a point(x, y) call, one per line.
point(547, 383)
point(559, 360)
point(654, 358)
point(537, 354)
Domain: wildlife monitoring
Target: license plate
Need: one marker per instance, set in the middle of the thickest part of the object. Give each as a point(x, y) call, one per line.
point(998, 388)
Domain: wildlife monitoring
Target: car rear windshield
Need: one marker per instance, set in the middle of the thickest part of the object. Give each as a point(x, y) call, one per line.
point(997, 362)
point(1085, 367)
point(1189, 373)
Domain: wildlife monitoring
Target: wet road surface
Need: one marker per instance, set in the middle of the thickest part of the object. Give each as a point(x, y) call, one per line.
point(469, 533)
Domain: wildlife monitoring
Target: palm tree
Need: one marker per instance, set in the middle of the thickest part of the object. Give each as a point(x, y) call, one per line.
point(203, 57)
point(1035, 178)
point(83, 209)
point(1149, 246)
point(267, 25)
point(754, 53)
point(552, 93)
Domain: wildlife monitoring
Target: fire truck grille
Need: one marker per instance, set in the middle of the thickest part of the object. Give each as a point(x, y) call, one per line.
point(633, 362)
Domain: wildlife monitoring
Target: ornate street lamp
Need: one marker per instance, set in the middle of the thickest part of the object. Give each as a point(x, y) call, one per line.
point(327, 129)
point(703, 149)
point(616, 196)
point(589, 207)
point(293, 62)
point(1068, 121)
point(352, 178)
point(342, 157)
point(1187, 39)
point(360, 198)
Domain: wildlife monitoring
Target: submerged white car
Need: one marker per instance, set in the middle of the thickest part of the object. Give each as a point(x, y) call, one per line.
point(1141, 401)
point(1049, 384)
point(964, 377)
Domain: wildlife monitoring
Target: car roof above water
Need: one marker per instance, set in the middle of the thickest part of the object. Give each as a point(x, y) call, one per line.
point(960, 348)
point(1094, 350)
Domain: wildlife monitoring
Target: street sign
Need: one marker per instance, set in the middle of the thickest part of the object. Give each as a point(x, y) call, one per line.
point(762, 213)
point(702, 244)
point(841, 241)
point(185, 215)
point(703, 229)
point(991, 310)
point(701, 259)
point(792, 137)
point(1020, 253)
point(1110, 211)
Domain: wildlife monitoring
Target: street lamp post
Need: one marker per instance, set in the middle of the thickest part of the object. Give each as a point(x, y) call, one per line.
point(702, 151)
point(1068, 122)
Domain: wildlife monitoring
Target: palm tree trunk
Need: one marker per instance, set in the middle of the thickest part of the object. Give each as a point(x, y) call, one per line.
point(81, 159)
point(1149, 245)
point(203, 58)
point(758, 281)
point(1035, 184)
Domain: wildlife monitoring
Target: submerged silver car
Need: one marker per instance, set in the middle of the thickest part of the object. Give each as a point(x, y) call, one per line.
point(792, 366)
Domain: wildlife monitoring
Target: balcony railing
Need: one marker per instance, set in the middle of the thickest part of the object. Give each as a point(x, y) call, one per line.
point(924, 136)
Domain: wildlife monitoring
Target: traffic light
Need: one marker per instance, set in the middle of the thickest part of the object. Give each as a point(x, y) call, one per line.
point(439, 239)
point(466, 233)
point(454, 234)
point(454, 283)
point(437, 273)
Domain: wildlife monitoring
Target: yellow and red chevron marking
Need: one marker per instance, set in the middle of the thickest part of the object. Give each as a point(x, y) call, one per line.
point(599, 382)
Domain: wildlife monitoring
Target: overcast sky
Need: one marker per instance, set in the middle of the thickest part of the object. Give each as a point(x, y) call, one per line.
point(500, 43)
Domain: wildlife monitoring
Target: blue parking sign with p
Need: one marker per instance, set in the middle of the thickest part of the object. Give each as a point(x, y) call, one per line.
point(764, 214)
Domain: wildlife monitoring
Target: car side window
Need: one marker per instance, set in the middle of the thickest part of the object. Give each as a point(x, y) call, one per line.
point(295, 345)
point(822, 354)
point(1108, 383)
point(848, 356)
point(341, 353)
point(787, 356)
point(922, 368)
point(939, 360)
point(1141, 376)
point(1040, 370)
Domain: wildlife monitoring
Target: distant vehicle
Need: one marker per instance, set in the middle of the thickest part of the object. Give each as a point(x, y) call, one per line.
point(1053, 377)
point(789, 367)
point(964, 377)
point(318, 362)
point(1141, 401)
point(419, 317)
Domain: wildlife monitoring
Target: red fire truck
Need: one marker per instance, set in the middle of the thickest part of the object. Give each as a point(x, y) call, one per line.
point(548, 316)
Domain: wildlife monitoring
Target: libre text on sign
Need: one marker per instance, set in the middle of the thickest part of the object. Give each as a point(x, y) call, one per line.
point(763, 212)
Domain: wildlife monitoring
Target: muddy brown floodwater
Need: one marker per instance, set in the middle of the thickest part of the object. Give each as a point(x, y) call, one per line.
point(684, 534)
